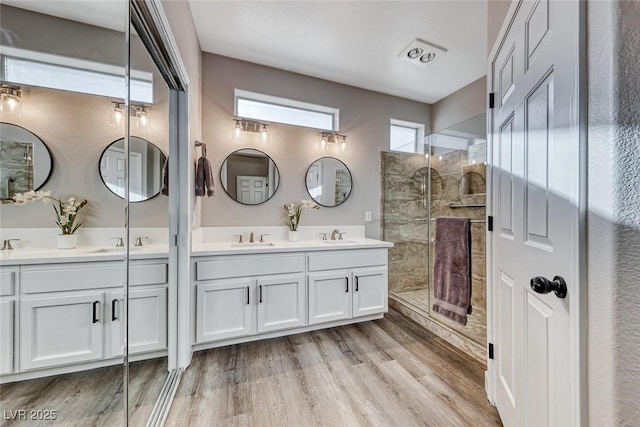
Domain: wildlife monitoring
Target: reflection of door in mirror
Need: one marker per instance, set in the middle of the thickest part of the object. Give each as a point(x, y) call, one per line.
point(113, 171)
point(314, 182)
point(343, 186)
point(251, 190)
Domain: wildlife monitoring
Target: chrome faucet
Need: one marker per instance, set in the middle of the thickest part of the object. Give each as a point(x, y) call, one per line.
point(251, 237)
point(323, 236)
point(239, 236)
point(262, 237)
point(335, 233)
point(119, 242)
point(6, 244)
point(139, 240)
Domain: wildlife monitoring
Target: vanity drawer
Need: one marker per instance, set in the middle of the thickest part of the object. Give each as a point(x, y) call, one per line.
point(84, 276)
point(8, 282)
point(224, 267)
point(346, 259)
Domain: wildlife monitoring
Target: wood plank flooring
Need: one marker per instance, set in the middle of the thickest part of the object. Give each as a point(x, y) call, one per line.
point(89, 398)
point(389, 372)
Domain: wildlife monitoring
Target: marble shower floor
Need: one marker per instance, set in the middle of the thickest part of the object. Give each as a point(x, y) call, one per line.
point(418, 298)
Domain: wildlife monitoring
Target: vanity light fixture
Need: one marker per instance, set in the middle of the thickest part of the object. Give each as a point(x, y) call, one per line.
point(241, 126)
point(327, 138)
point(10, 100)
point(142, 116)
point(117, 114)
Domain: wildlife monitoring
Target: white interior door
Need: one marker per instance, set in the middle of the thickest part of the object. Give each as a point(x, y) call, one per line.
point(113, 168)
point(251, 190)
point(535, 204)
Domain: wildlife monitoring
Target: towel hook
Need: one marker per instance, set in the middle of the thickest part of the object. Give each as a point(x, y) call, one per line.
point(203, 146)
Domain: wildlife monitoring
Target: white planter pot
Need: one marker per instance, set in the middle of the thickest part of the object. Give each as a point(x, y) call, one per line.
point(294, 236)
point(67, 241)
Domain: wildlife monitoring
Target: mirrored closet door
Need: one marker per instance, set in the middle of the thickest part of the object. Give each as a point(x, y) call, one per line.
point(85, 267)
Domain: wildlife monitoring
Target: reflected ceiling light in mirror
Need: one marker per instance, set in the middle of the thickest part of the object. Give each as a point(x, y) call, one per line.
point(327, 138)
point(10, 100)
point(241, 126)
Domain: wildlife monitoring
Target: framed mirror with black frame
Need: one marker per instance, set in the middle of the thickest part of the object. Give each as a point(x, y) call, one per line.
point(329, 182)
point(146, 164)
point(249, 176)
point(25, 161)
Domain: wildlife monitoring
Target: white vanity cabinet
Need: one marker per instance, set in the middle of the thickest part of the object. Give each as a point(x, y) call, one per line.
point(67, 316)
point(239, 296)
point(8, 279)
point(347, 284)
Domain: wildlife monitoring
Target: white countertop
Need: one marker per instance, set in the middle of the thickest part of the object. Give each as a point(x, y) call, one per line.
point(23, 256)
point(228, 248)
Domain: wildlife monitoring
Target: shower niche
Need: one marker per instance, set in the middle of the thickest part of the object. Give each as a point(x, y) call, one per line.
point(448, 179)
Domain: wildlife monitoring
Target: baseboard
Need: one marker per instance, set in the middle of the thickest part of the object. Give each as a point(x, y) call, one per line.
point(467, 346)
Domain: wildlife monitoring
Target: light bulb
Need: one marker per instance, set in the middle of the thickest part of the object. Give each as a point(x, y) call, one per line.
point(426, 156)
point(237, 131)
point(440, 158)
point(343, 145)
point(11, 103)
point(143, 119)
point(264, 134)
point(323, 143)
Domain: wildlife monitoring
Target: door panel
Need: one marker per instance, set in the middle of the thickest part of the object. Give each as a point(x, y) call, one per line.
point(6, 336)
point(369, 291)
point(225, 309)
point(61, 330)
point(147, 321)
point(536, 191)
point(281, 302)
point(329, 296)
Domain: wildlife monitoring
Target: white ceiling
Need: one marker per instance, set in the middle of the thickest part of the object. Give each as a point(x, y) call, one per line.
point(353, 42)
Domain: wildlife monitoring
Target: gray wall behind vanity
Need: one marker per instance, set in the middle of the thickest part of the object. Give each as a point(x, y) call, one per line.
point(364, 118)
point(76, 127)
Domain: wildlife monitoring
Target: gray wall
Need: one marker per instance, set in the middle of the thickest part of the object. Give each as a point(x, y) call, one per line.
point(75, 127)
point(364, 118)
point(496, 12)
point(461, 105)
point(613, 36)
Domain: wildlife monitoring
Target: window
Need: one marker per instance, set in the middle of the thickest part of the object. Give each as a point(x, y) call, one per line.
point(407, 137)
point(57, 72)
point(250, 105)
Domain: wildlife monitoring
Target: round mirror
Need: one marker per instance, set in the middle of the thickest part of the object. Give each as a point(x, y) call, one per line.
point(328, 182)
point(145, 169)
point(249, 176)
point(25, 161)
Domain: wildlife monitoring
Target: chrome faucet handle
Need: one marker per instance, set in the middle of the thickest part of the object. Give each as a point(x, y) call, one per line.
point(341, 234)
point(334, 233)
point(251, 237)
point(6, 244)
point(323, 236)
point(262, 236)
point(119, 242)
point(139, 240)
point(239, 236)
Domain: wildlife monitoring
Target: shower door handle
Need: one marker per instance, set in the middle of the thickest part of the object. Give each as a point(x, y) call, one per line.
point(542, 285)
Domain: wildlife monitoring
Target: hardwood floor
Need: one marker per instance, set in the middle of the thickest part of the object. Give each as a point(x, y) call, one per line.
point(389, 372)
point(89, 398)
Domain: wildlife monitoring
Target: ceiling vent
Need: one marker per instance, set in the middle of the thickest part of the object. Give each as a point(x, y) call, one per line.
point(420, 52)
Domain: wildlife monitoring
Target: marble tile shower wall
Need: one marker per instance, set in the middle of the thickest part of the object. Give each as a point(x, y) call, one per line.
point(404, 221)
point(404, 214)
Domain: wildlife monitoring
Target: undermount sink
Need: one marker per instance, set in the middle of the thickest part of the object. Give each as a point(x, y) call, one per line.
point(114, 250)
point(338, 242)
point(252, 245)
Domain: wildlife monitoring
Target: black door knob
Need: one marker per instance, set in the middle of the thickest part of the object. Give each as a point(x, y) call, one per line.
point(542, 285)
